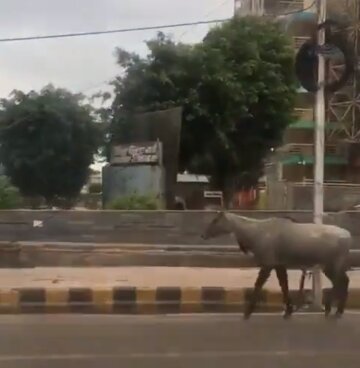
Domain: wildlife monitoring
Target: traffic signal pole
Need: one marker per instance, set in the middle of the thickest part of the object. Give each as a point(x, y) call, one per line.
point(319, 147)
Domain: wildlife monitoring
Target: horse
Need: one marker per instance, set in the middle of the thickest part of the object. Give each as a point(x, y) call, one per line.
point(281, 243)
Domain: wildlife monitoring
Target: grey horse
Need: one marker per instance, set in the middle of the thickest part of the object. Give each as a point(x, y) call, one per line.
point(280, 243)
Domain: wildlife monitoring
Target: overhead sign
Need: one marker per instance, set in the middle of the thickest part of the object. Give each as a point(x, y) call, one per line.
point(136, 153)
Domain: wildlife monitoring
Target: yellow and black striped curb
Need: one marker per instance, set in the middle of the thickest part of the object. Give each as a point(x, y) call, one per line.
point(132, 300)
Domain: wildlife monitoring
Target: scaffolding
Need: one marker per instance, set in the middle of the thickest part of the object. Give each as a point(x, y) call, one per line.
point(344, 105)
point(267, 7)
point(249, 7)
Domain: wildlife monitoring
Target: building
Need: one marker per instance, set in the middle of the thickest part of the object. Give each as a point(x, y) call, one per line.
point(190, 190)
point(135, 168)
point(290, 168)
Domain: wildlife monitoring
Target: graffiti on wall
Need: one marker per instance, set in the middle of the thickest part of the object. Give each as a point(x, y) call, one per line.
point(136, 153)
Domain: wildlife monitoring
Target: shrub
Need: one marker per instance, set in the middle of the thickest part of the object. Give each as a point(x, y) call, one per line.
point(9, 195)
point(135, 202)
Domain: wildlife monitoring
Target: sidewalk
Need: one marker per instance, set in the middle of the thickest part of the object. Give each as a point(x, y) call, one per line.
point(146, 290)
point(143, 277)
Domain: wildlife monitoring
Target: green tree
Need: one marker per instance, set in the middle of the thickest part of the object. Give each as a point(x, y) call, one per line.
point(237, 88)
point(9, 195)
point(48, 141)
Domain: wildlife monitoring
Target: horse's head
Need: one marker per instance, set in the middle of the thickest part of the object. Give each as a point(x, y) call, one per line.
point(218, 226)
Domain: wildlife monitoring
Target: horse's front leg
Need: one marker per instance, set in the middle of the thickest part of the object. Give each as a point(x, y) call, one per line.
point(263, 276)
point(282, 276)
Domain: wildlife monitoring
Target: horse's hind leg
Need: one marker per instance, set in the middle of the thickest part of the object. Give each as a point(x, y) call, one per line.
point(330, 274)
point(300, 301)
point(282, 276)
point(342, 293)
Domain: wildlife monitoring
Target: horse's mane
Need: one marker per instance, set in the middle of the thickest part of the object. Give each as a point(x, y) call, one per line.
point(262, 220)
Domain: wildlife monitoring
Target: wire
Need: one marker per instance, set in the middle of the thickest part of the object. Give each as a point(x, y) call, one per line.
point(124, 30)
point(206, 15)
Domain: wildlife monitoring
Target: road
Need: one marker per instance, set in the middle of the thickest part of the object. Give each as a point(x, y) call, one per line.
point(203, 341)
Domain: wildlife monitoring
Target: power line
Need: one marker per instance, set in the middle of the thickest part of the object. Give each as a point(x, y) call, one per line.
point(206, 15)
point(136, 29)
point(124, 30)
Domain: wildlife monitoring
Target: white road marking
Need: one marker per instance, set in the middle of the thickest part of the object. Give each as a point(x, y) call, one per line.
point(177, 355)
point(350, 317)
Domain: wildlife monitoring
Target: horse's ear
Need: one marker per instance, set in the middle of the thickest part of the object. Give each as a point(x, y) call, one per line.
point(218, 215)
point(290, 218)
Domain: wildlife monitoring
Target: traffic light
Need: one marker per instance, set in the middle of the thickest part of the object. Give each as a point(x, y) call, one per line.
point(306, 62)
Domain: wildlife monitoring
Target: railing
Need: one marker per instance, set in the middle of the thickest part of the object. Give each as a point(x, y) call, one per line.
point(304, 114)
point(307, 148)
point(298, 41)
point(267, 7)
point(286, 6)
point(249, 7)
point(328, 183)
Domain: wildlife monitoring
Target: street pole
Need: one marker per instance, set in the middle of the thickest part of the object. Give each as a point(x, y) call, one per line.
point(319, 147)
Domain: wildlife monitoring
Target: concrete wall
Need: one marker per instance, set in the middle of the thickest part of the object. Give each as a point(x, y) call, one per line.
point(121, 181)
point(279, 195)
point(148, 227)
point(336, 197)
point(299, 196)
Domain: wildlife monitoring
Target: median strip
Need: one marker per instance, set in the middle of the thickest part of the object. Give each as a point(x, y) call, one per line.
point(134, 300)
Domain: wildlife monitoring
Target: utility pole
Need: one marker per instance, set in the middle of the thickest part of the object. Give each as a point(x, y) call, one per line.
point(319, 146)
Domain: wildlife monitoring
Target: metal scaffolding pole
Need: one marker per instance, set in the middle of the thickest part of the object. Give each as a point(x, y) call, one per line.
point(319, 147)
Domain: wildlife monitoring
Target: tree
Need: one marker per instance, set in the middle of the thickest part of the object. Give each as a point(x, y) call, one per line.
point(237, 88)
point(9, 195)
point(48, 141)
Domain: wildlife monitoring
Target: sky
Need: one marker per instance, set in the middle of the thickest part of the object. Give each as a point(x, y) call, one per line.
point(86, 64)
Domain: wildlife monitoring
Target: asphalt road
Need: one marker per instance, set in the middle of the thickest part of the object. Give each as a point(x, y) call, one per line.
point(203, 341)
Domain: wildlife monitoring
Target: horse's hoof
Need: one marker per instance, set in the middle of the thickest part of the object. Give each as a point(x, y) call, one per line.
point(338, 315)
point(330, 317)
point(246, 316)
point(288, 312)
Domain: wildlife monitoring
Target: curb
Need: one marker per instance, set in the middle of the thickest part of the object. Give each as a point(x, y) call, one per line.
point(133, 300)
